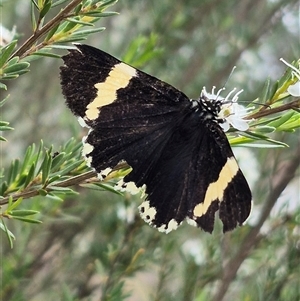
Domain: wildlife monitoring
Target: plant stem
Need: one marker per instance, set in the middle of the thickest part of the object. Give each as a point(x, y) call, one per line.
point(288, 106)
point(24, 49)
point(72, 181)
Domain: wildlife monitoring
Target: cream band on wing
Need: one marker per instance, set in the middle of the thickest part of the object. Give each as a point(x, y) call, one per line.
point(172, 225)
point(216, 189)
point(117, 78)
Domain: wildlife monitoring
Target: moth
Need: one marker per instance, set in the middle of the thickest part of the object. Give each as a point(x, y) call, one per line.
point(175, 146)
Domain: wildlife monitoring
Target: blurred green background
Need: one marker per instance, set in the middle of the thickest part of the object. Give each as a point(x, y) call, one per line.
point(94, 246)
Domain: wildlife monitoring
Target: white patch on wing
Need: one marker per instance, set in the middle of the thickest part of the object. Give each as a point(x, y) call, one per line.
point(127, 187)
point(191, 222)
point(172, 225)
point(147, 213)
point(86, 150)
point(103, 173)
point(82, 122)
point(88, 161)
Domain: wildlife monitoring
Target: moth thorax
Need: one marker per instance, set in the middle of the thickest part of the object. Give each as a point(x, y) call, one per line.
point(207, 108)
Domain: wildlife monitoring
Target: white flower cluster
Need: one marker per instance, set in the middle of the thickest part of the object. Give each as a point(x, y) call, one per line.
point(232, 113)
point(6, 36)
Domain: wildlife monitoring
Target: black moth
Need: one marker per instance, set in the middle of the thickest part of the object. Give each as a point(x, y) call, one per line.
point(176, 148)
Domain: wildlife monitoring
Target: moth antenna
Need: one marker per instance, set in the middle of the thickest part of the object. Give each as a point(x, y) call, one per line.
point(223, 88)
point(229, 76)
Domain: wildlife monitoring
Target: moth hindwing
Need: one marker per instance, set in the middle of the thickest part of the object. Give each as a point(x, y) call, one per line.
point(176, 148)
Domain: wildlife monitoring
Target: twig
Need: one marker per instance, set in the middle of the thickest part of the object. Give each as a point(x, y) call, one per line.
point(114, 276)
point(288, 106)
point(76, 180)
point(22, 51)
point(66, 183)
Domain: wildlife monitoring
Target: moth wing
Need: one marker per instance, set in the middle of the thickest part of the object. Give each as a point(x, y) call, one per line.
point(196, 176)
point(186, 163)
point(130, 113)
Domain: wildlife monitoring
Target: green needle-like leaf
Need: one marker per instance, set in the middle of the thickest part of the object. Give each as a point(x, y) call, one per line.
point(6, 52)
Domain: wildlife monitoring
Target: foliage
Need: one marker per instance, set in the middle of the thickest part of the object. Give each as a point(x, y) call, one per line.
point(100, 247)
